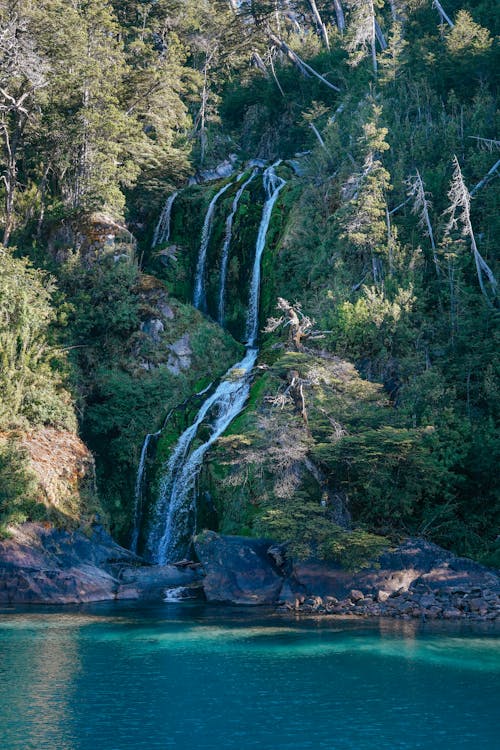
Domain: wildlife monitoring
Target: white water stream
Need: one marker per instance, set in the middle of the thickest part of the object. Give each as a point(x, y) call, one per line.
point(162, 231)
point(199, 299)
point(226, 246)
point(175, 513)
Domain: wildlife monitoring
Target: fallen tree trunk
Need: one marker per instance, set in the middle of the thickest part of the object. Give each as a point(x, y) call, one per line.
point(299, 62)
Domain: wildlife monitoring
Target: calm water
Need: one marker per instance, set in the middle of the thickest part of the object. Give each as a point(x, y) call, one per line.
point(196, 677)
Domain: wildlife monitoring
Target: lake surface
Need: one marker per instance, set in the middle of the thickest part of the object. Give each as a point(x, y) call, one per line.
point(191, 676)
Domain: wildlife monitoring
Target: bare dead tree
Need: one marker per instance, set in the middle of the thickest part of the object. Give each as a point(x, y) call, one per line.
point(364, 25)
point(318, 136)
point(459, 212)
point(259, 63)
point(299, 62)
point(490, 143)
point(442, 13)
point(339, 15)
point(380, 36)
point(489, 176)
point(421, 207)
point(22, 75)
point(319, 23)
point(301, 326)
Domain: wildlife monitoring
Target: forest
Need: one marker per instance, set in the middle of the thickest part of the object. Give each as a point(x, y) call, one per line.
point(373, 410)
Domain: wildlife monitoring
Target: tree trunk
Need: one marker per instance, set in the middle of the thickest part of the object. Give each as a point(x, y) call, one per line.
point(442, 13)
point(339, 14)
point(299, 62)
point(319, 22)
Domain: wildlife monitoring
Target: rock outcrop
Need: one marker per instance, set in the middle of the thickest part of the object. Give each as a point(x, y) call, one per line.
point(238, 569)
point(43, 565)
point(415, 579)
point(64, 468)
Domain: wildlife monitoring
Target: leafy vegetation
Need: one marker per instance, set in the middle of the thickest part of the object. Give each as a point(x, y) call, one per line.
point(385, 235)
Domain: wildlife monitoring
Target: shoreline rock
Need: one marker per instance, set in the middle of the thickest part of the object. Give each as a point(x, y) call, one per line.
point(417, 579)
point(44, 565)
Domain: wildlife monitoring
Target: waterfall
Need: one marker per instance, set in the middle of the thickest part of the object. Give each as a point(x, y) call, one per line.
point(199, 282)
point(176, 507)
point(272, 186)
point(162, 230)
point(139, 486)
point(226, 246)
point(175, 513)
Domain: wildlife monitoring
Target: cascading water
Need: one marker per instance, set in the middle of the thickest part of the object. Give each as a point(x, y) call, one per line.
point(226, 246)
point(175, 513)
point(162, 231)
point(199, 300)
point(272, 185)
point(139, 487)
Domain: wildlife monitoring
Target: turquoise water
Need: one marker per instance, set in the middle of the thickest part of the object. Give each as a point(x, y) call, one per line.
point(199, 677)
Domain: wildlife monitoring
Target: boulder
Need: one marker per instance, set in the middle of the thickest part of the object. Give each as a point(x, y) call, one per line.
point(150, 582)
point(44, 565)
point(180, 355)
point(416, 564)
point(238, 569)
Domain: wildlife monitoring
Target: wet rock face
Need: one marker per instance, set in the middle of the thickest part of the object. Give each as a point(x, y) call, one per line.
point(43, 565)
point(238, 569)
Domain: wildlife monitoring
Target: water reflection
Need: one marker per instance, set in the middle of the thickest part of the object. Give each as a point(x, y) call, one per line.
point(41, 663)
point(182, 677)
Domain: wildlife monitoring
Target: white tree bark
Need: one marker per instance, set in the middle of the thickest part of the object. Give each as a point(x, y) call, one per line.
point(421, 206)
point(339, 14)
point(489, 175)
point(442, 13)
point(299, 62)
point(460, 202)
point(319, 22)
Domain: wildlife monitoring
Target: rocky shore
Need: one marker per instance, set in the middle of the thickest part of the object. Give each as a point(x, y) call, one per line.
point(465, 602)
point(417, 579)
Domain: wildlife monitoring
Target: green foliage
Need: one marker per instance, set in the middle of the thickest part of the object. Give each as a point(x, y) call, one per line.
point(18, 488)
point(308, 531)
point(31, 387)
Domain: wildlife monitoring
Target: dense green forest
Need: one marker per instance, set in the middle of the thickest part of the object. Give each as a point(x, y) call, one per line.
point(382, 244)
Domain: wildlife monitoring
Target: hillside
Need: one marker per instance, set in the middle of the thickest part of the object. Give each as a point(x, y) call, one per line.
point(151, 154)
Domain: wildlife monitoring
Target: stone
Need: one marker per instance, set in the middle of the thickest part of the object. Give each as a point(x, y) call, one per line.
point(382, 596)
point(451, 613)
point(356, 595)
point(428, 600)
point(180, 355)
point(151, 581)
point(238, 569)
point(44, 565)
point(153, 328)
point(286, 593)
